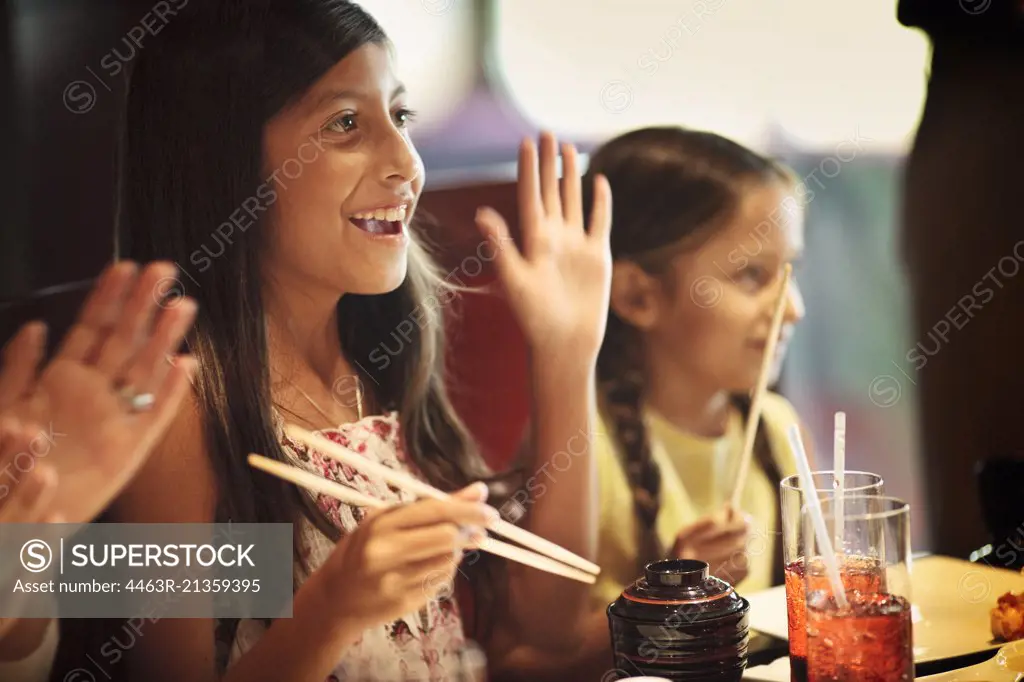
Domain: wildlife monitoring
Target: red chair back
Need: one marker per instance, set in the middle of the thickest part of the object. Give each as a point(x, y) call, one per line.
point(487, 355)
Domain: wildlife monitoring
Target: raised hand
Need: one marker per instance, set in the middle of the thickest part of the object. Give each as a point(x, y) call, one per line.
point(107, 396)
point(558, 282)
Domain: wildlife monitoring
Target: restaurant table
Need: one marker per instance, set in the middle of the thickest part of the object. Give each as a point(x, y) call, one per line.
point(778, 670)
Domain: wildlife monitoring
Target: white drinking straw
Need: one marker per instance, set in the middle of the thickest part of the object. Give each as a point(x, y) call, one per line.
point(814, 508)
point(839, 472)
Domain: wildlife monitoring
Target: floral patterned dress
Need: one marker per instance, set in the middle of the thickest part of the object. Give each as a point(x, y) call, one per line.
point(417, 646)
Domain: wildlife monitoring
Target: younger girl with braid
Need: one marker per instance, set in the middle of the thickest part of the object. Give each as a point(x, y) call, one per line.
point(701, 231)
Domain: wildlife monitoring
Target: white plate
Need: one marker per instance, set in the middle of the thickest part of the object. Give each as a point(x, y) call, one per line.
point(776, 671)
point(1006, 666)
point(952, 600)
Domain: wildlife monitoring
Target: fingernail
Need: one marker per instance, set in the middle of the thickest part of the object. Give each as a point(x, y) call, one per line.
point(472, 536)
point(38, 330)
point(491, 514)
point(481, 490)
point(188, 305)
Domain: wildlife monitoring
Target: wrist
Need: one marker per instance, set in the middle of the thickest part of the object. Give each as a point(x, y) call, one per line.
point(567, 363)
point(315, 606)
point(564, 388)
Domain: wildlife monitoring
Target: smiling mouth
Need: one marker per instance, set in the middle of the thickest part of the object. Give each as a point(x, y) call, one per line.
point(374, 226)
point(389, 221)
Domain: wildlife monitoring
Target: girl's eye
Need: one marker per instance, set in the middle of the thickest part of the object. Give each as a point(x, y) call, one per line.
point(404, 117)
point(346, 123)
point(754, 275)
point(342, 124)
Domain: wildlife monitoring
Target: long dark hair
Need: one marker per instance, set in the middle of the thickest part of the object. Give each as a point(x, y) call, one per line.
point(191, 156)
point(673, 188)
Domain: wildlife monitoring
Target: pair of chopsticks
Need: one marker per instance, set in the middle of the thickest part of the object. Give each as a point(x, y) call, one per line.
point(548, 557)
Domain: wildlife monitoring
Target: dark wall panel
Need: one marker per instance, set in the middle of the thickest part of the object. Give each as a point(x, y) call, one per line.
point(63, 84)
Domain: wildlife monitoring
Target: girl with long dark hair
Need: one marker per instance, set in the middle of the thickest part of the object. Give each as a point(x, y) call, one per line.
point(266, 150)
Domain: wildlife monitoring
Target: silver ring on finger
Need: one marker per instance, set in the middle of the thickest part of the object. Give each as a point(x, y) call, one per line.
point(136, 402)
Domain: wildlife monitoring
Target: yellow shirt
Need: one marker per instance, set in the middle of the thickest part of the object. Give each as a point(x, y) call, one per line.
point(696, 474)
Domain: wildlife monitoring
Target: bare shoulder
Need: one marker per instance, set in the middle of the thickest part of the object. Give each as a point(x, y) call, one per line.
point(176, 484)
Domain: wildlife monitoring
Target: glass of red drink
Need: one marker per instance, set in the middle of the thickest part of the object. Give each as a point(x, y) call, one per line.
point(792, 500)
point(869, 637)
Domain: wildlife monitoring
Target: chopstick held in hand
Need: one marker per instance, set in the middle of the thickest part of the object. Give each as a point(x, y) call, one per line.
point(355, 498)
point(417, 487)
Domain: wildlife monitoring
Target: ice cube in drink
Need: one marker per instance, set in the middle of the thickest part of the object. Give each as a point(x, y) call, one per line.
point(862, 574)
point(870, 640)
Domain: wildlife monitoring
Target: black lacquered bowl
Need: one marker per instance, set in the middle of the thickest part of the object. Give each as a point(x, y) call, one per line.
point(680, 623)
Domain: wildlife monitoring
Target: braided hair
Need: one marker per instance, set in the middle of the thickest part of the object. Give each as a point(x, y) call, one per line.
point(673, 188)
point(620, 381)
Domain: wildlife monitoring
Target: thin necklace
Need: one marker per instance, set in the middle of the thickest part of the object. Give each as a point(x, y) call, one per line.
point(323, 413)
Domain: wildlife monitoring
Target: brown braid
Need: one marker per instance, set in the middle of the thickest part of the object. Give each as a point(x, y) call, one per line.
point(620, 375)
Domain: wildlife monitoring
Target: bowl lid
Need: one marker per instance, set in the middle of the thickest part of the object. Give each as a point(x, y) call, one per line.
point(679, 583)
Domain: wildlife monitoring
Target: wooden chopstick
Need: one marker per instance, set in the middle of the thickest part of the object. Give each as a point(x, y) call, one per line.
point(305, 479)
point(762, 384)
point(417, 487)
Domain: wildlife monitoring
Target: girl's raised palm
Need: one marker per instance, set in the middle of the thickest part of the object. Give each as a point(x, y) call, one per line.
point(86, 433)
point(558, 282)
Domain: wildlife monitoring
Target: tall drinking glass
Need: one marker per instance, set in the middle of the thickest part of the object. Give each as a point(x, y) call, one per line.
point(792, 500)
point(870, 636)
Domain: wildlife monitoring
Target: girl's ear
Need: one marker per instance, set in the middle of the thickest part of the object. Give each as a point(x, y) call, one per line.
point(636, 297)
